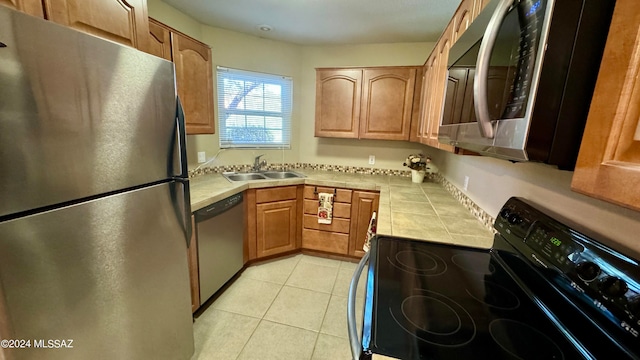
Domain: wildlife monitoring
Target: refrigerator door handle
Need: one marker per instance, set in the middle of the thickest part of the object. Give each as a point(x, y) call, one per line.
point(181, 142)
point(182, 205)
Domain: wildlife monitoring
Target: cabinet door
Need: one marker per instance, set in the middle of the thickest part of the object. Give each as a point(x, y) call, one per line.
point(479, 6)
point(608, 164)
point(363, 205)
point(338, 94)
point(194, 79)
point(438, 85)
point(31, 7)
point(159, 40)
point(125, 22)
point(387, 103)
point(462, 18)
point(276, 227)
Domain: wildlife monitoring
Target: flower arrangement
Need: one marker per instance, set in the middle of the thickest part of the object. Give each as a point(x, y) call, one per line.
point(417, 162)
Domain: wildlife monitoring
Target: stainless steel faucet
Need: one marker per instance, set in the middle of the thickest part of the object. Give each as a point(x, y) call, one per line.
point(257, 164)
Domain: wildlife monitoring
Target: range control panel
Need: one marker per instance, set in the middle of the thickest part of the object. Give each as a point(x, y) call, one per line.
point(599, 276)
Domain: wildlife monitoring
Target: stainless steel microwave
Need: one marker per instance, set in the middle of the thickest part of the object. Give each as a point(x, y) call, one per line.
point(521, 78)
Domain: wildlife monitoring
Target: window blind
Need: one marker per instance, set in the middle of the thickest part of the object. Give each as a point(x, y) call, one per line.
point(254, 109)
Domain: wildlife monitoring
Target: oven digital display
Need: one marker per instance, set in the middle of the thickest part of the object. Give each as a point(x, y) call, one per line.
point(554, 245)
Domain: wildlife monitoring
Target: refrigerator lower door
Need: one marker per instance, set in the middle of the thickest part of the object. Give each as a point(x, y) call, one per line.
point(109, 277)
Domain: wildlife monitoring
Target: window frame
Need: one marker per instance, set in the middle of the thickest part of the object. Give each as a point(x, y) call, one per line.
point(226, 141)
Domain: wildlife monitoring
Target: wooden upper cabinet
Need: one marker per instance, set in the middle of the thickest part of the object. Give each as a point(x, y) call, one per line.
point(194, 80)
point(387, 103)
point(159, 39)
point(479, 6)
point(31, 7)
point(438, 68)
point(338, 102)
point(366, 103)
point(608, 165)
point(463, 18)
point(125, 22)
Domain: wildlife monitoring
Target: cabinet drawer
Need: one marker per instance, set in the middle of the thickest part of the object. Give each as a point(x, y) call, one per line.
point(275, 194)
point(340, 210)
point(337, 225)
point(325, 241)
point(342, 195)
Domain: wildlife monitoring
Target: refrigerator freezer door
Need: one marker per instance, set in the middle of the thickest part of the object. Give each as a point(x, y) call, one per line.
point(79, 116)
point(110, 274)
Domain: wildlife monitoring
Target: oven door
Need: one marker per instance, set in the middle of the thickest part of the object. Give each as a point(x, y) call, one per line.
point(492, 76)
point(360, 344)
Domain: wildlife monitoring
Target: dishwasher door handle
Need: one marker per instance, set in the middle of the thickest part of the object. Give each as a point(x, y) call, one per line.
point(354, 341)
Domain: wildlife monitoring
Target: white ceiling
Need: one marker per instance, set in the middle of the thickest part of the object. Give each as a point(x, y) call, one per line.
point(322, 22)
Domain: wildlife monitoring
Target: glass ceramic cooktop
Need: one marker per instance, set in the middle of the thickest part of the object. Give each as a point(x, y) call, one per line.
point(436, 301)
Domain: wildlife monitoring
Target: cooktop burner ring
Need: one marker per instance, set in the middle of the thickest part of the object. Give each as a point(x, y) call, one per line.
point(528, 342)
point(475, 263)
point(419, 262)
point(451, 326)
point(496, 296)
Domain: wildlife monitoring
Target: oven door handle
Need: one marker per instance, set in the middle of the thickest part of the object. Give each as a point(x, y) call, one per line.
point(354, 341)
point(480, 84)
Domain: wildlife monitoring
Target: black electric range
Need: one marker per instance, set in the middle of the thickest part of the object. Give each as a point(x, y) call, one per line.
point(544, 291)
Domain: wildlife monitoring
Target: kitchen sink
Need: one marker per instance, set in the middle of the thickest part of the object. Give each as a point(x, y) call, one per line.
point(267, 175)
point(244, 176)
point(282, 174)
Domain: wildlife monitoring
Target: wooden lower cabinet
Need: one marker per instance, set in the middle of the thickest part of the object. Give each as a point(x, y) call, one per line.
point(192, 258)
point(332, 238)
point(276, 227)
point(363, 204)
point(345, 235)
point(274, 220)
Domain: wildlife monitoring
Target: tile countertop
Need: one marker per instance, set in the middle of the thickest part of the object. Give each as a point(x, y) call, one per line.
point(420, 211)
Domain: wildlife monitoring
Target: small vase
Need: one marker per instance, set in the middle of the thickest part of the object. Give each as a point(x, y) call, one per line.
point(417, 176)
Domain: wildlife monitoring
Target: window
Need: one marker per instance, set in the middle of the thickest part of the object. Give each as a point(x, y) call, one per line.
point(254, 109)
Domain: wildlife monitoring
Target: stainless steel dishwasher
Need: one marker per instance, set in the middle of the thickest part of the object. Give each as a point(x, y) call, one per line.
point(220, 228)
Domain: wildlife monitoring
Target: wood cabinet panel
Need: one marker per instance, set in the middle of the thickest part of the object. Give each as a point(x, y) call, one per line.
point(342, 195)
point(276, 194)
point(194, 78)
point(479, 6)
point(463, 18)
point(125, 22)
point(31, 7)
point(192, 258)
point(387, 103)
point(337, 224)
point(159, 40)
point(338, 94)
point(362, 207)
point(276, 227)
point(325, 241)
point(608, 165)
point(340, 210)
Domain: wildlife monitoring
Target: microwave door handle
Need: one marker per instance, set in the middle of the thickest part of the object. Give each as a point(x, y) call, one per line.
point(480, 84)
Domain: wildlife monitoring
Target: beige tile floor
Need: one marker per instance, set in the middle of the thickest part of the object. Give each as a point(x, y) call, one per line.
point(288, 308)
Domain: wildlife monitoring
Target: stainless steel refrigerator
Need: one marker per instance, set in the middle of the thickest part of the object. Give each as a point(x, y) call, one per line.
point(94, 199)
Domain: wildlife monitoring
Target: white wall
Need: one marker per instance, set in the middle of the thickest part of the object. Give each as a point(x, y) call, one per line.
point(493, 181)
